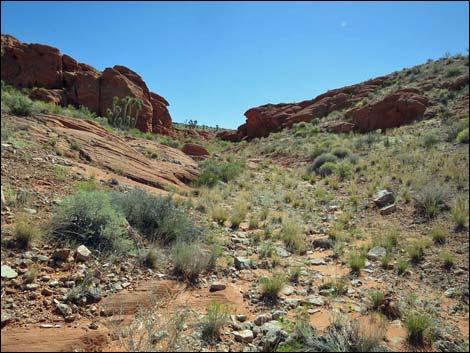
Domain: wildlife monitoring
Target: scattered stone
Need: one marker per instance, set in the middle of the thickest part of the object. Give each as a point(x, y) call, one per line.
point(450, 293)
point(263, 318)
point(314, 300)
point(49, 326)
point(242, 263)
point(216, 286)
point(278, 314)
point(388, 209)
point(376, 253)
point(384, 198)
point(245, 336)
point(82, 254)
point(47, 292)
point(64, 309)
point(61, 254)
point(241, 317)
point(280, 251)
point(6, 318)
point(317, 262)
point(32, 286)
point(288, 290)
point(30, 211)
point(8, 273)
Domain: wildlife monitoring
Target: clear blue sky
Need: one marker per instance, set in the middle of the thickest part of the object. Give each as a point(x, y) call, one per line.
point(214, 60)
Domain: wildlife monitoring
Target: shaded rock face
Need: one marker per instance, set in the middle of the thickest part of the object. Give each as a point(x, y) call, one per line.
point(60, 79)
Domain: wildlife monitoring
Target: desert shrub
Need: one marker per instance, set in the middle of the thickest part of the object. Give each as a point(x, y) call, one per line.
point(356, 262)
point(89, 218)
point(402, 266)
point(217, 317)
point(235, 220)
point(253, 222)
point(191, 259)
point(453, 72)
point(25, 233)
point(416, 251)
point(459, 212)
point(438, 235)
point(344, 335)
point(385, 261)
point(448, 260)
point(342, 170)
point(327, 168)
point(455, 128)
point(376, 298)
point(157, 218)
point(266, 249)
point(417, 324)
point(213, 172)
point(341, 152)
point(271, 287)
point(317, 152)
point(430, 198)
point(429, 139)
point(389, 240)
point(149, 258)
point(14, 102)
point(462, 136)
point(321, 160)
point(86, 185)
point(294, 274)
point(31, 275)
point(337, 286)
point(219, 214)
point(293, 236)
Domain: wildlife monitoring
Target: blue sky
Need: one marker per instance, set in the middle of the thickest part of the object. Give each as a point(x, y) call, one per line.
point(214, 60)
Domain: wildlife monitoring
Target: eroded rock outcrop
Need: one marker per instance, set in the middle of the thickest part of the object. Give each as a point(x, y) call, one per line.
point(60, 79)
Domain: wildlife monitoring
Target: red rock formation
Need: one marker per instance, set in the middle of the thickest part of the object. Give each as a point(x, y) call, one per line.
point(55, 96)
point(197, 152)
point(399, 108)
point(263, 120)
point(44, 67)
point(339, 127)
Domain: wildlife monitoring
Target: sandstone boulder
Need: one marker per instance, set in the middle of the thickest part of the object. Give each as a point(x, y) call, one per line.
point(195, 151)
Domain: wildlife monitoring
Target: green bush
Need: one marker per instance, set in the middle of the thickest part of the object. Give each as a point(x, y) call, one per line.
point(429, 139)
point(341, 152)
point(343, 170)
point(217, 317)
point(213, 172)
point(327, 168)
point(89, 218)
point(320, 160)
point(156, 218)
point(17, 104)
point(462, 137)
point(453, 72)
